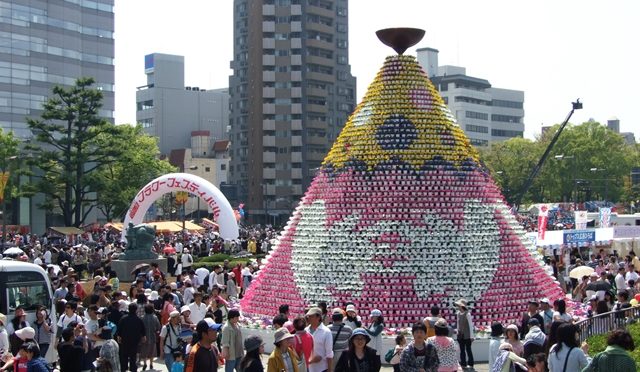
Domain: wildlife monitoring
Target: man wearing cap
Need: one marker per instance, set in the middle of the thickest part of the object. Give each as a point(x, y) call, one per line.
point(232, 350)
point(322, 358)
point(465, 334)
point(534, 339)
point(340, 333)
point(202, 356)
point(170, 339)
point(547, 315)
point(532, 313)
point(129, 334)
point(187, 260)
point(198, 308)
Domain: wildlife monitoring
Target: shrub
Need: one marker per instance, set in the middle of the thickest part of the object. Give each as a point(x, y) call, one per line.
point(218, 257)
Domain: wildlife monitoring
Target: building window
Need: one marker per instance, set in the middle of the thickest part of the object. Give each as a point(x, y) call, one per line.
point(478, 142)
point(145, 105)
point(282, 52)
point(505, 133)
point(476, 115)
point(146, 123)
point(505, 118)
point(342, 44)
point(342, 11)
point(207, 169)
point(341, 27)
point(503, 103)
point(223, 167)
point(476, 128)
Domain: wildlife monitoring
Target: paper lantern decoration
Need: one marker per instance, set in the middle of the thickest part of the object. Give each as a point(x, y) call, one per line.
point(400, 217)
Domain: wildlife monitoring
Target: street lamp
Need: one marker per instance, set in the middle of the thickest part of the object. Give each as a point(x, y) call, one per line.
point(573, 193)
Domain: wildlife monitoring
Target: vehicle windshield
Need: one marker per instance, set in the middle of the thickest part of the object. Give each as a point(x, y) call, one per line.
point(27, 290)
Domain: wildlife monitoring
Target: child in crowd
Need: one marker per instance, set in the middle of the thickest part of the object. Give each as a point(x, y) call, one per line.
point(178, 364)
point(401, 343)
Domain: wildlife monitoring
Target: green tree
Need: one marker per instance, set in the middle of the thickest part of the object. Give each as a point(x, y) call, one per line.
point(119, 181)
point(68, 152)
point(8, 156)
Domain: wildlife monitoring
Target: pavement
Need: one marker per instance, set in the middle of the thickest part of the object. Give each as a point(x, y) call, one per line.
point(158, 365)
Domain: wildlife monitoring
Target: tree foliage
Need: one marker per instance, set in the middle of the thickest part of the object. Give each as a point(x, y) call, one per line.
point(73, 142)
point(9, 149)
point(120, 180)
point(589, 162)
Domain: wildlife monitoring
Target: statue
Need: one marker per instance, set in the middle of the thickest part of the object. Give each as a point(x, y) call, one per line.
point(139, 241)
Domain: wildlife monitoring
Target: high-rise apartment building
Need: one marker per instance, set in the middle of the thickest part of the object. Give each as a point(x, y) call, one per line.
point(170, 111)
point(485, 113)
point(291, 93)
point(47, 43)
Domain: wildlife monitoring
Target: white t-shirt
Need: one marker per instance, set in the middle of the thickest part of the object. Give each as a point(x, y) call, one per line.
point(322, 346)
point(37, 261)
point(621, 283)
point(65, 320)
point(631, 275)
point(187, 260)
point(93, 328)
point(47, 257)
point(197, 312)
point(202, 275)
point(172, 340)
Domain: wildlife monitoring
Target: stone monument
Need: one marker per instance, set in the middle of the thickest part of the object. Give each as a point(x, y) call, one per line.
point(139, 242)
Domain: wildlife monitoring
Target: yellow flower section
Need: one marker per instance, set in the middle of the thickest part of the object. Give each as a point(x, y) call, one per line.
point(401, 88)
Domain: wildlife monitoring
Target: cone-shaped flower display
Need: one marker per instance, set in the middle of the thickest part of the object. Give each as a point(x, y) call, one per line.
point(400, 217)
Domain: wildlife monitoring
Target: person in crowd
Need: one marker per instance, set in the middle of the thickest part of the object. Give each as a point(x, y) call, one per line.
point(359, 356)
point(44, 330)
point(326, 319)
point(507, 359)
point(534, 339)
point(170, 339)
point(232, 286)
point(567, 354)
point(279, 321)
point(537, 363)
point(69, 354)
point(532, 313)
point(303, 341)
point(401, 344)
point(168, 306)
point(283, 357)
point(376, 326)
point(254, 348)
point(497, 331)
point(187, 324)
point(430, 321)
point(129, 335)
point(340, 334)
point(197, 307)
point(465, 333)
point(561, 311)
point(512, 337)
point(4, 337)
point(202, 355)
point(446, 348)
point(187, 260)
point(615, 357)
point(322, 356)
point(19, 321)
point(353, 320)
point(232, 350)
point(148, 344)
point(35, 362)
point(419, 356)
point(178, 364)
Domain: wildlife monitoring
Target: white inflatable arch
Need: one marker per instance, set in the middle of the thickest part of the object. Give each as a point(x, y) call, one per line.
point(222, 212)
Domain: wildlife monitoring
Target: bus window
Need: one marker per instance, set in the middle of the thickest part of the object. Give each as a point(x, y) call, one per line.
point(27, 295)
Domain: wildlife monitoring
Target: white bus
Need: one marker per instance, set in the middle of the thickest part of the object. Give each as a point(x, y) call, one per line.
point(26, 285)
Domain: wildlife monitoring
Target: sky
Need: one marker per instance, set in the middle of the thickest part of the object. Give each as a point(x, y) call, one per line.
point(555, 51)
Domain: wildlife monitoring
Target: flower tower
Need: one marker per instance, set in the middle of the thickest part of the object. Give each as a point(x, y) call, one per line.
point(402, 216)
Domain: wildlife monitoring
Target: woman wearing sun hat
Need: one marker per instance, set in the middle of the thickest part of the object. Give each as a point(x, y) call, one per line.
point(283, 358)
point(359, 357)
point(446, 348)
point(376, 326)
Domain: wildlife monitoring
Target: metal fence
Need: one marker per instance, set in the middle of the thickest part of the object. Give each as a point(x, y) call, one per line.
point(607, 322)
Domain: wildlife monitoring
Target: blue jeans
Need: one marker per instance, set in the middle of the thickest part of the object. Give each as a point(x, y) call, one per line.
point(230, 365)
point(168, 360)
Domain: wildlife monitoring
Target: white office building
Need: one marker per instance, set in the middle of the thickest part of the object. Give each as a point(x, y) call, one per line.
point(486, 114)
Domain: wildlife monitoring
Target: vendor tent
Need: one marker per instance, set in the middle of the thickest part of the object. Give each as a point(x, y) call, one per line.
point(67, 230)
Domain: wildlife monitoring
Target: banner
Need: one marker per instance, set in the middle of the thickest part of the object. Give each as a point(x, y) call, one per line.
point(543, 218)
point(4, 179)
point(577, 237)
point(580, 220)
point(605, 217)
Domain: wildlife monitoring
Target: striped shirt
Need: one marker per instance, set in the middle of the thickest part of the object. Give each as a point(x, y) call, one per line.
point(342, 341)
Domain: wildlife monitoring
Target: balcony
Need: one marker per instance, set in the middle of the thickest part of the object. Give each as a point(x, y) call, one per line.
point(315, 124)
point(268, 9)
point(312, 9)
point(269, 124)
point(296, 92)
point(269, 189)
point(316, 92)
point(268, 43)
point(268, 108)
point(320, 44)
point(320, 61)
point(296, 157)
point(296, 190)
point(269, 141)
point(296, 141)
point(269, 173)
point(268, 60)
point(268, 76)
point(268, 157)
point(322, 77)
point(268, 26)
point(318, 108)
point(296, 43)
point(315, 140)
point(296, 124)
point(296, 9)
point(313, 26)
point(268, 92)
point(315, 156)
point(296, 75)
point(296, 108)
point(296, 60)
point(296, 26)
point(296, 173)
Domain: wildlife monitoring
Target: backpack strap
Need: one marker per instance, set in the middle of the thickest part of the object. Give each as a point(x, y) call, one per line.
point(566, 360)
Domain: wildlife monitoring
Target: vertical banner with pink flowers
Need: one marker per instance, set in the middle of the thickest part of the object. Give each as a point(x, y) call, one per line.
point(543, 218)
point(605, 217)
point(581, 220)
